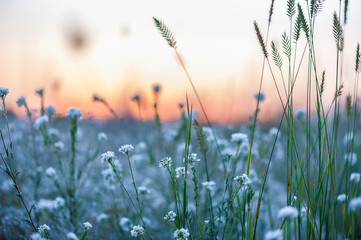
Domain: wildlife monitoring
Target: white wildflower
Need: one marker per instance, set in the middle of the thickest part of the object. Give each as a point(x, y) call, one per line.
point(351, 158)
point(50, 110)
point(102, 217)
point(71, 236)
point(125, 149)
point(137, 231)
point(141, 147)
point(143, 190)
point(44, 229)
point(3, 92)
point(243, 180)
point(170, 216)
point(74, 113)
point(348, 138)
point(59, 202)
point(181, 234)
point(102, 136)
point(6, 185)
point(354, 204)
point(300, 113)
point(341, 198)
point(165, 162)
point(303, 212)
point(53, 132)
point(41, 121)
point(107, 156)
point(180, 172)
point(36, 236)
point(21, 101)
point(209, 185)
point(87, 225)
point(50, 172)
point(239, 138)
point(45, 204)
point(273, 235)
point(59, 145)
point(288, 212)
point(125, 224)
point(192, 160)
point(273, 131)
point(355, 177)
point(50, 205)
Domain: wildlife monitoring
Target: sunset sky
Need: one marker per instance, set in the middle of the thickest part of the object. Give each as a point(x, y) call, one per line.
point(119, 53)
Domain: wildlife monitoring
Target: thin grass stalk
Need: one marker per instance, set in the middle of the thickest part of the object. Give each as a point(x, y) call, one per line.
point(133, 181)
point(10, 171)
point(186, 158)
point(130, 198)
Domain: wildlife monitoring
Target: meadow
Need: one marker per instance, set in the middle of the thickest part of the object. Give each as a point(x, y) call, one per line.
point(65, 177)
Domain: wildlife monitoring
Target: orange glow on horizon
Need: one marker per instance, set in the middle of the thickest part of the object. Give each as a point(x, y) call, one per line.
point(75, 49)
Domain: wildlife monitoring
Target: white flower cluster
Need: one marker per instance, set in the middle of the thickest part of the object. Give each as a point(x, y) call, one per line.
point(355, 177)
point(102, 217)
point(143, 190)
point(239, 138)
point(165, 162)
point(273, 235)
point(351, 158)
point(192, 160)
point(53, 132)
point(102, 136)
point(209, 185)
point(41, 121)
point(341, 198)
point(50, 205)
point(125, 223)
point(71, 236)
point(354, 204)
point(50, 172)
point(170, 216)
point(137, 231)
point(21, 101)
point(125, 149)
point(74, 113)
point(288, 212)
point(87, 226)
point(300, 113)
point(44, 229)
point(107, 156)
point(243, 180)
point(180, 172)
point(50, 110)
point(36, 236)
point(3, 92)
point(181, 234)
point(59, 145)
